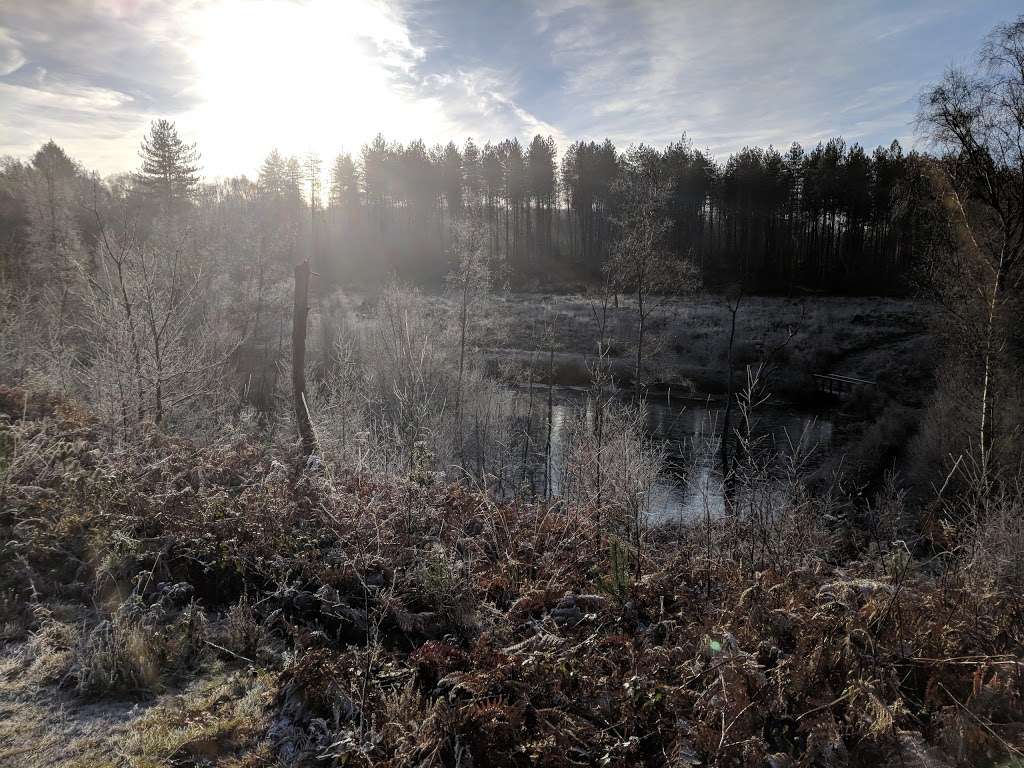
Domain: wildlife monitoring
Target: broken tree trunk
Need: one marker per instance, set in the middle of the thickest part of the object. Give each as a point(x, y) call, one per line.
point(302, 420)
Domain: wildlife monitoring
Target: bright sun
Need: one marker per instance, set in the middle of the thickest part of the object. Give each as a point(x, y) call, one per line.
point(321, 76)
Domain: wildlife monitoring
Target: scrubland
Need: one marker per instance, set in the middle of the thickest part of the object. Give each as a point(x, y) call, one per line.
point(227, 604)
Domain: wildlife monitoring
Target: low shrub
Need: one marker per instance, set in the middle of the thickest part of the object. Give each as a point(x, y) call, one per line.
point(137, 649)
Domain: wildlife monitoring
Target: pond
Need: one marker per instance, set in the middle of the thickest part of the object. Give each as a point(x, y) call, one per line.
point(688, 429)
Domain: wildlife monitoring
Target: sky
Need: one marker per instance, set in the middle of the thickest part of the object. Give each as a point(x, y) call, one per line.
point(241, 77)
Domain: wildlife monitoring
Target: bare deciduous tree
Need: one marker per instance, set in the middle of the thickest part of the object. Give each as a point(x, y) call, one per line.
point(151, 338)
point(641, 263)
point(977, 118)
point(469, 280)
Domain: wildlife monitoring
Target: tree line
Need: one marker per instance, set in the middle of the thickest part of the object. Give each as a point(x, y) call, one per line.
point(829, 219)
point(826, 220)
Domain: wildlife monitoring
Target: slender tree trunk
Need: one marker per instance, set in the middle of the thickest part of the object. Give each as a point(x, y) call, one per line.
point(991, 302)
point(528, 437)
point(551, 413)
point(983, 437)
point(136, 354)
point(727, 411)
point(299, 317)
point(463, 318)
point(642, 318)
point(158, 394)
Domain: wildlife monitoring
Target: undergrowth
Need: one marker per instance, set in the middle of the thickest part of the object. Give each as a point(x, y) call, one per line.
point(369, 622)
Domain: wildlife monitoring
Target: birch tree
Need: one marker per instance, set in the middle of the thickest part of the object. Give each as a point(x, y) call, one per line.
point(976, 117)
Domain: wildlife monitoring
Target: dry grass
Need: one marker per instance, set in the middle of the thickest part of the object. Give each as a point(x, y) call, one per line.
point(398, 623)
point(852, 336)
point(221, 719)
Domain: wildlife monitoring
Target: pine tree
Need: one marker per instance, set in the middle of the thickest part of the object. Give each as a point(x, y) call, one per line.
point(52, 160)
point(451, 180)
point(272, 175)
point(293, 177)
point(540, 181)
point(53, 236)
point(472, 174)
point(170, 167)
point(312, 168)
point(344, 183)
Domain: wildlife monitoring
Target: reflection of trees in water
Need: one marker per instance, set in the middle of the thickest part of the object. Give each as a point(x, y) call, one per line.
point(690, 483)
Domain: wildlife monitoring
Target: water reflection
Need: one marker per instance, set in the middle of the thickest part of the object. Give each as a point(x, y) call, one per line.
point(691, 485)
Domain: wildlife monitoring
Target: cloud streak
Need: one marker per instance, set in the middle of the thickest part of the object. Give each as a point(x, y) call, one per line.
point(324, 75)
point(759, 73)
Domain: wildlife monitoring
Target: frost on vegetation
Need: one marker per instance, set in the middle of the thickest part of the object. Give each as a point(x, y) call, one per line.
point(369, 620)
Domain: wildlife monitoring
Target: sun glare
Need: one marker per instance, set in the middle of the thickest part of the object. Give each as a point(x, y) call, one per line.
point(320, 76)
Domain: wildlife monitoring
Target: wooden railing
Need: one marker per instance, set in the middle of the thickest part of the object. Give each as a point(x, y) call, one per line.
point(834, 384)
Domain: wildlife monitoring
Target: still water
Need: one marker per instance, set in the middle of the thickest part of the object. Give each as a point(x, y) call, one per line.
point(688, 429)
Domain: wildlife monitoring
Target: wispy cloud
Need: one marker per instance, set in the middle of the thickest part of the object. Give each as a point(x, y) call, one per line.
point(484, 103)
point(757, 73)
point(91, 74)
point(754, 72)
point(11, 58)
point(241, 77)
